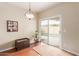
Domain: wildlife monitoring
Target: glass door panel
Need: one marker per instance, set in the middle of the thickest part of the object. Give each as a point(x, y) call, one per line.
point(44, 31)
point(54, 29)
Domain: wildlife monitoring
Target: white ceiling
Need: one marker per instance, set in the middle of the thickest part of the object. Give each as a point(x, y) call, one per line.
point(35, 6)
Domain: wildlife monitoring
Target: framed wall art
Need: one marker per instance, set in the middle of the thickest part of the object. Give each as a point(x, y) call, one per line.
point(12, 26)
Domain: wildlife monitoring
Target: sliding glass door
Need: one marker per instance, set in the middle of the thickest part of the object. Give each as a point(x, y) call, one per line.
point(50, 31)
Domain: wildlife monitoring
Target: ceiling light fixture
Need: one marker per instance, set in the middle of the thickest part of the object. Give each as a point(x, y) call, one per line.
point(29, 14)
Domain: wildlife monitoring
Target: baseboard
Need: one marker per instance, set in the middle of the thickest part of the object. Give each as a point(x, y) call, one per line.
point(7, 49)
point(72, 52)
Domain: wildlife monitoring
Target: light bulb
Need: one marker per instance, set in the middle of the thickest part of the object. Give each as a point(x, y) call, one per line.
point(29, 15)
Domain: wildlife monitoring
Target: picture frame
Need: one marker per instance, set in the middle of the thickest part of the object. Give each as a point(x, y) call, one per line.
point(12, 26)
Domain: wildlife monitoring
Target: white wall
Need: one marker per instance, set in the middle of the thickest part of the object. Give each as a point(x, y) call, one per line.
point(70, 17)
point(26, 27)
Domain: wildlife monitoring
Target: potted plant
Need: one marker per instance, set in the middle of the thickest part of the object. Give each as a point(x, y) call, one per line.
point(36, 36)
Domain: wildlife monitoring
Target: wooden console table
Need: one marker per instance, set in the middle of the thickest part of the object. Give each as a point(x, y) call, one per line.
point(22, 43)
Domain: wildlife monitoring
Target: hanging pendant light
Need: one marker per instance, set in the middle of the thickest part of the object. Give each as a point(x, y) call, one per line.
point(29, 14)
